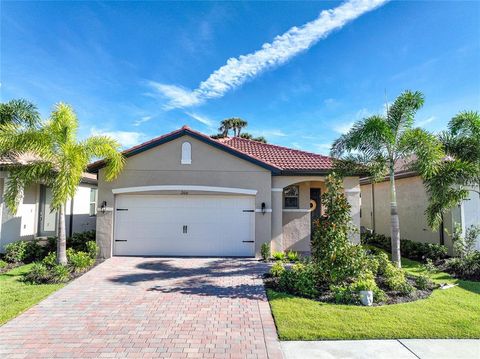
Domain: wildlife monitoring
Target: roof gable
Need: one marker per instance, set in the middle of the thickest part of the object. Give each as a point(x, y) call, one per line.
point(94, 167)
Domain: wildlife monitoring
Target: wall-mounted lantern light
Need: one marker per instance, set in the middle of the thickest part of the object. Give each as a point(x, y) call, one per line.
point(103, 207)
point(263, 208)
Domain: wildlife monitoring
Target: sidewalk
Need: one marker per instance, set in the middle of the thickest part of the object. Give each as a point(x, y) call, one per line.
point(388, 349)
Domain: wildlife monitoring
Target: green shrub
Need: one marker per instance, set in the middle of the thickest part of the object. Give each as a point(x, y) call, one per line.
point(293, 256)
point(467, 267)
point(39, 273)
point(300, 279)
point(50, 260)
point(430, 267)
point(34, 251)
point(59, 274)
point(16, 252)
point(278, 256)
point(395, 279)
point(277, 269)
point(265, 251)
point(92, 249)
point(79, 261)
point(422, 282)
point(342, 294)
point(409, 249)
point(51, 245)
point(3, 264)
point(78, 241)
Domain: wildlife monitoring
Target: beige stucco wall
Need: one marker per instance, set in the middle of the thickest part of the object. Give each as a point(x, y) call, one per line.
point(412, 201)
point(210, 167)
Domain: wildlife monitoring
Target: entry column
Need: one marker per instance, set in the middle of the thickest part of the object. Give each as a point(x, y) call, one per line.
point(277, 219)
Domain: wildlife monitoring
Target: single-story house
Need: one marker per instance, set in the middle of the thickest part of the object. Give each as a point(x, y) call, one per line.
point(186, 194)
point(34, 218)
point(412, 200)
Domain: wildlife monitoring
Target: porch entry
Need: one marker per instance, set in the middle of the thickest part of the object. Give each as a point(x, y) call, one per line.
point(315, 206)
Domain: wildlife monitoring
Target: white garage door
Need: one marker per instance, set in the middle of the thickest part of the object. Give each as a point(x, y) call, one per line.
point(191, 225)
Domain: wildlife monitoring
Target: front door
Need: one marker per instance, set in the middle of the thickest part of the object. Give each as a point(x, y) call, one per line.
point(47, 221)
point(315, 206)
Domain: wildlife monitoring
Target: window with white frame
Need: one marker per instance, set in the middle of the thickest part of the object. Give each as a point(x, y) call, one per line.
point(290, 197)
point(93, 201)
point(186, 153)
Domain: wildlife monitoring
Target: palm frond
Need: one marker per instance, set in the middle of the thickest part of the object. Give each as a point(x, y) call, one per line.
point(108, 149)
point(426, 148)
point(19, 112)
point(401, 114)
point(370, 136)
point(63, 124)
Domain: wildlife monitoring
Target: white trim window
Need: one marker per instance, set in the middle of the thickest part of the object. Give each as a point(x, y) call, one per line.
point(291, 197)
point(186, 153)
point(93, 202)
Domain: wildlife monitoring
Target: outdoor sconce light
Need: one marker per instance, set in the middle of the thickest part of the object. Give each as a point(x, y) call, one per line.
point(103, 207)
point(263, 208)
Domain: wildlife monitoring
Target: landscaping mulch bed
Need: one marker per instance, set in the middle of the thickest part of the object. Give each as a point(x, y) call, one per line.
point(393, 297)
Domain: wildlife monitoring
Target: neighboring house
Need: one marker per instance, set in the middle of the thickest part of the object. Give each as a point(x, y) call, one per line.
point(187, 194)
point(34, 218)
point(412, 202)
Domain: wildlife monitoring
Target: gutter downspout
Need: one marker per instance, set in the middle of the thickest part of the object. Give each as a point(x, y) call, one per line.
point(442, 232)
point(373, 206)
point(70, 230)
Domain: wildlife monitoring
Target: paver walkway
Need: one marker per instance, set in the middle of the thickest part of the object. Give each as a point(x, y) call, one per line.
point(151, 307)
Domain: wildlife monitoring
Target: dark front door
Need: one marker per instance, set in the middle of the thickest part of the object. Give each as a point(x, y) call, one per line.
point(314, 205)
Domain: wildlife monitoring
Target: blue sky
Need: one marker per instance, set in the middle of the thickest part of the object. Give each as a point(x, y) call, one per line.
point(135, 70)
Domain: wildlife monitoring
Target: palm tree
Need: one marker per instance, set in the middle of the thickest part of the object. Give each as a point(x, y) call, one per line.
point(19, 113)
point(238, 124)
point(380, 141)
point(459, 172)
point(59, 161)
point(225, 127)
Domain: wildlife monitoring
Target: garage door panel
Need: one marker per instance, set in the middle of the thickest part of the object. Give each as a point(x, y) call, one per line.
point(153, 225)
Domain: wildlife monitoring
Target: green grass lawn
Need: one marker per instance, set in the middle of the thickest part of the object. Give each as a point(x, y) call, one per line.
point(450, 313)
point(17, 296)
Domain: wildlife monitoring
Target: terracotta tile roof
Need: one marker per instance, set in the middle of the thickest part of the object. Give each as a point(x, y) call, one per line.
point(274, 157)
point(288, 159)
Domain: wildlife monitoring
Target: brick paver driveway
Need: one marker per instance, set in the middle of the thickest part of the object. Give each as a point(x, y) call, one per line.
point(151, 307)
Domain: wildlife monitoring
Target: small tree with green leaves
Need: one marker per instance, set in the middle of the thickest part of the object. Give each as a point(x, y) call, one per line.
point(59, 161)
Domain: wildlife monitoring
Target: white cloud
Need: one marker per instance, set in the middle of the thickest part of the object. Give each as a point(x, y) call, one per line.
point(323, 148)
point(426, 121)
point(343, 127)
point(238, 70)
point(202, 119)
point(142, 120)
point(125, 138)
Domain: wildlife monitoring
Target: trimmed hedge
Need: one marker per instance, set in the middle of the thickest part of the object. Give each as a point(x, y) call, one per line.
point(408, 249)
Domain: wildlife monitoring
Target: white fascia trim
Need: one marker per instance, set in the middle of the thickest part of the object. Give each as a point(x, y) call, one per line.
point(250, 192)
point(277, 189)
point(303, 210)
point(267, 210)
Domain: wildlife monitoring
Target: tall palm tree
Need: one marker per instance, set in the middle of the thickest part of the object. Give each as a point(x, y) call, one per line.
point(225, 127)
point(459, 172)
point(381, 140)
point(238, 124)
point(60, 160)
point(19, 112)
